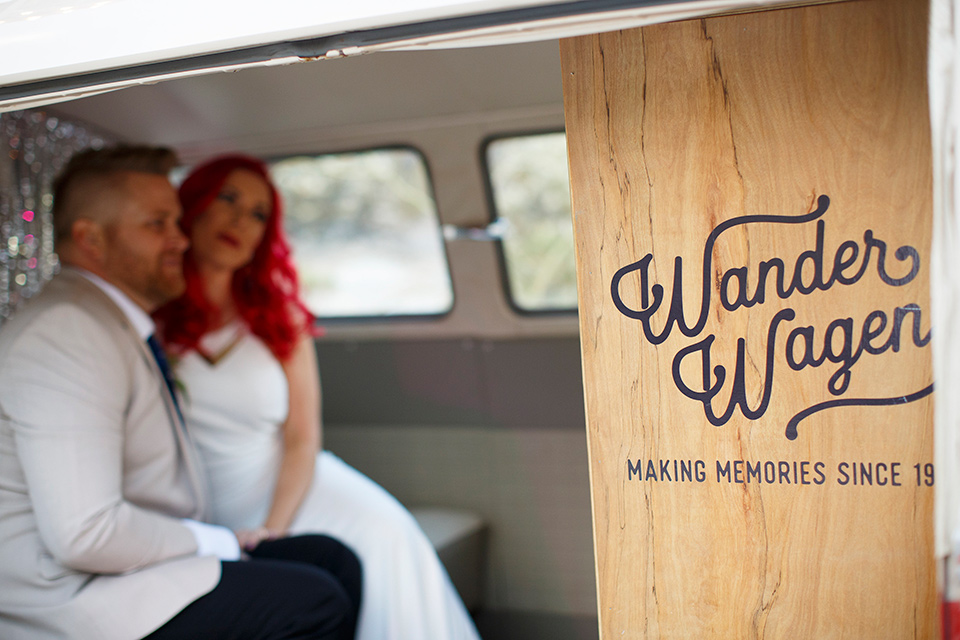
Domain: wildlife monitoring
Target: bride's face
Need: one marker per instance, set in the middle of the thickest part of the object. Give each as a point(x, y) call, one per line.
point(228, 233)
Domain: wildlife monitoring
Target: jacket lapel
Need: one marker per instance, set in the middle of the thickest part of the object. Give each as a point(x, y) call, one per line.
point(185, 448)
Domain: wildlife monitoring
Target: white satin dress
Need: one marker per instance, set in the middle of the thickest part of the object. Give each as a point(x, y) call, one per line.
point(234, 408)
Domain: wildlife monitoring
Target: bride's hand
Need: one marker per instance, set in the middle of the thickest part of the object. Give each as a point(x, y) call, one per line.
point(250, 538)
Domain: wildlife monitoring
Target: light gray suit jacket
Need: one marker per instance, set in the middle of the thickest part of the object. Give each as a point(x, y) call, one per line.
point(95, 473)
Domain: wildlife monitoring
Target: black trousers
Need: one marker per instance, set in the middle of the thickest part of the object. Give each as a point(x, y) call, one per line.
point(291, 589)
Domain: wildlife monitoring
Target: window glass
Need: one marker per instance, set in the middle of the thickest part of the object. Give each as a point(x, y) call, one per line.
point(365, 233)
point(531, 194)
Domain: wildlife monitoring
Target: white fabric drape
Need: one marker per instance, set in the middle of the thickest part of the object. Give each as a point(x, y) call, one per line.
point(944, 88)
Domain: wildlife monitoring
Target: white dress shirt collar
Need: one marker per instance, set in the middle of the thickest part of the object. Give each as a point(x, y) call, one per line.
point(142, 322)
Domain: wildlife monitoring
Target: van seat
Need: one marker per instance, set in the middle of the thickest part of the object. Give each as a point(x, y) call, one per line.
point(459, 538)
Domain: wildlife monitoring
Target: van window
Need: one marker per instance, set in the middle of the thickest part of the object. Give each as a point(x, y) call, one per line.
point(530, 190)
point(365, 233)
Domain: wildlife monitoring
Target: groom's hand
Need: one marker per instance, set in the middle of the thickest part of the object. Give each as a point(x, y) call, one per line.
point(250, 538)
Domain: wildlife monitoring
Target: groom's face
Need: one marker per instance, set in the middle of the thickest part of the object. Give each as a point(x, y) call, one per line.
point(144, 245)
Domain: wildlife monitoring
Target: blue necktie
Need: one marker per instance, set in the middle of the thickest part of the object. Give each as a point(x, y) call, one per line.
point(161, 358)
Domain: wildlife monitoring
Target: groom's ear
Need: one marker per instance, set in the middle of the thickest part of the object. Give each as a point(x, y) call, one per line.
point(89, 238)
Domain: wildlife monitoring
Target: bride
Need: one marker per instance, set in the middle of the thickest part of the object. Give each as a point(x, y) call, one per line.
point(243, 343)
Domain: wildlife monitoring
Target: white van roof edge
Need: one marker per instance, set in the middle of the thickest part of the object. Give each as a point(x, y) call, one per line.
point(523, 22)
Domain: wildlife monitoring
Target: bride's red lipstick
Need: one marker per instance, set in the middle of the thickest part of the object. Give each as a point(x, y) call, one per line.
point(228, 239)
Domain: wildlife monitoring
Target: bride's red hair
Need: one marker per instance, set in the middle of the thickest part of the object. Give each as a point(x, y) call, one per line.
point(266, 290)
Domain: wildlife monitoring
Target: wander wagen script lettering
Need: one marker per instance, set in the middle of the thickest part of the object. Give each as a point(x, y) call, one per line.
point(839, 343)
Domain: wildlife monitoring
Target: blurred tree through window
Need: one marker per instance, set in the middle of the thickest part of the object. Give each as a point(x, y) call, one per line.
point(531, 191)
point(365, 232)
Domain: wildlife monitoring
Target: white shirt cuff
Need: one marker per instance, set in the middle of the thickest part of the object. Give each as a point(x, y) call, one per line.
point(213, 540)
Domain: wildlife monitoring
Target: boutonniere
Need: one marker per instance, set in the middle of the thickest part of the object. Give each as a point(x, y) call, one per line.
point(178, 382)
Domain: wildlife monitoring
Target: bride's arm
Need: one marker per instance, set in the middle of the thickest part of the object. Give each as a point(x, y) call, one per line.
point(301, 436)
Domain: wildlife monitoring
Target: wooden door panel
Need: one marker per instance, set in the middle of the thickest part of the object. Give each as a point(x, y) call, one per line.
point(752, 199)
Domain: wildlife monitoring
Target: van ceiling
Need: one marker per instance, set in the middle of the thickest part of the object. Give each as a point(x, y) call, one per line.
point(271, 110)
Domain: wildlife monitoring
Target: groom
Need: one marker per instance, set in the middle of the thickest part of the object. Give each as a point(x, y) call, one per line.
point(101, 500)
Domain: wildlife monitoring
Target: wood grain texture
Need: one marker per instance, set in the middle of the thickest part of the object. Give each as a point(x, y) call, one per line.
point(674, 130)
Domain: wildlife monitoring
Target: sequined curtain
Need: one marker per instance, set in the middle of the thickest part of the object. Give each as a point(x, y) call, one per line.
point(36, 145)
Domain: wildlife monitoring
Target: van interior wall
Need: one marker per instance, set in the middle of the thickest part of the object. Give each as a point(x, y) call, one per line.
point(493, 426)
point(480, 409)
